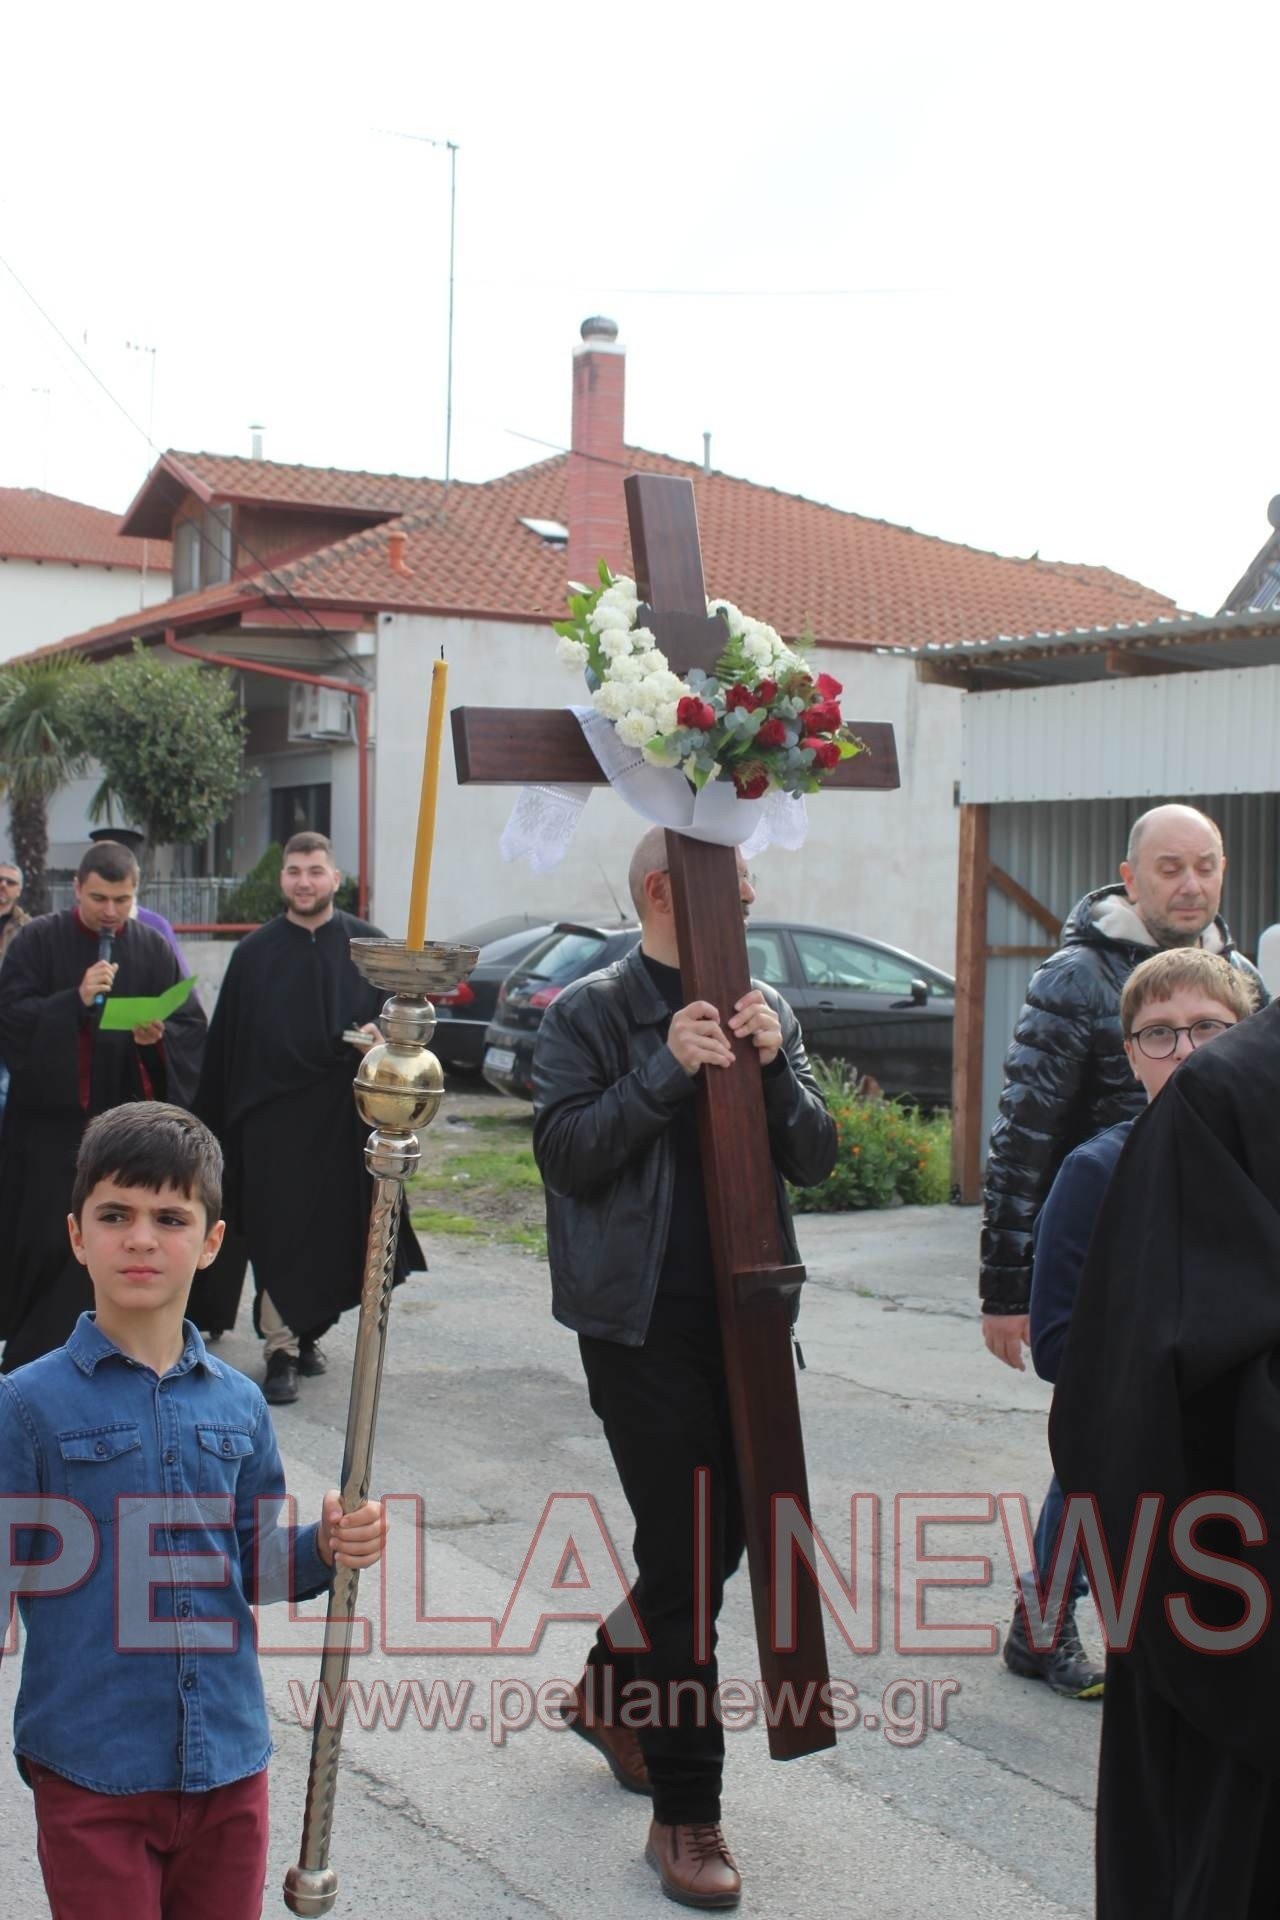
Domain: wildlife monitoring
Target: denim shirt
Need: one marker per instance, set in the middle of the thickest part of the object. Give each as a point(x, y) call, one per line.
point(89, 1424)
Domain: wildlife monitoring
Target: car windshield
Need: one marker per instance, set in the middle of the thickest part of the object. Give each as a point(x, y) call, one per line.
point(510, 947)
point(564, 955)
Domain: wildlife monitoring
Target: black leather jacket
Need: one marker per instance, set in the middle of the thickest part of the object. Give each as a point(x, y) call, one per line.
point(605, 1088)
point(1065, 1078)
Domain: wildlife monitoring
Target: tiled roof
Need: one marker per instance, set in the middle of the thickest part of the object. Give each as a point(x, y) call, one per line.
point(268, 482)
point(802, 566)
point(43, 526)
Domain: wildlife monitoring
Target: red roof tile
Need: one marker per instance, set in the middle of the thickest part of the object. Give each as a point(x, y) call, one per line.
point(43, 526)
point(803, 566)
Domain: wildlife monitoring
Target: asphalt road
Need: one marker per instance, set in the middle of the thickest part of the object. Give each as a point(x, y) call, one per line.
point(485, 1416)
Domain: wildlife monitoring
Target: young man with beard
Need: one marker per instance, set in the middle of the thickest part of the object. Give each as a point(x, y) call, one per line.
point(615, 1074)
point(276, 1089)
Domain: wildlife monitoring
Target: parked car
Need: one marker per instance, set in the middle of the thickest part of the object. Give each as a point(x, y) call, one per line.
point(463, 1014)
point(888, 1014)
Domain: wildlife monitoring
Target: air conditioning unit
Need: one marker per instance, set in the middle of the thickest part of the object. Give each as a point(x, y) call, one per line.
point(318, 713)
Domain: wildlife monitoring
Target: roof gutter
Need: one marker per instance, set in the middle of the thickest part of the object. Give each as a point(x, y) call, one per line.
point(361, 697)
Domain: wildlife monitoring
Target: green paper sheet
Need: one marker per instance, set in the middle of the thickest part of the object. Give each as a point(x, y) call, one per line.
point(122, 1016)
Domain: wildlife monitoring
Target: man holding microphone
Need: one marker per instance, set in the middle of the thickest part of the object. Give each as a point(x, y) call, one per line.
point(66, 1068)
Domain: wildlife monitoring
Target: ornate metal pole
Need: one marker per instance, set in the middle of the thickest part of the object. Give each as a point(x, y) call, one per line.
point(399, 1087)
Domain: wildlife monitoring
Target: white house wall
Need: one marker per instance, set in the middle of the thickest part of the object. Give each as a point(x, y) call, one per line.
point(1173, 733)
point(43, 600)
point(883, 864)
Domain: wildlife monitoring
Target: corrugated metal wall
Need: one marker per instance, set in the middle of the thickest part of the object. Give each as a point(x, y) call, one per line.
point(1061, 850)
point(1202, 732)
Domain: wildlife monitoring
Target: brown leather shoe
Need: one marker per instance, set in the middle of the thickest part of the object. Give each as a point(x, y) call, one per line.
point(694, 1865)
point(619, 1745)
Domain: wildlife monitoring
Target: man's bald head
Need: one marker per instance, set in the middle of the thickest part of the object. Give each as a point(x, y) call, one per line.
point(1174, 872)
point(1175, 816)
point(650, 856)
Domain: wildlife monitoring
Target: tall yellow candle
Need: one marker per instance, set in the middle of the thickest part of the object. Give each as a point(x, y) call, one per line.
point(416, 937)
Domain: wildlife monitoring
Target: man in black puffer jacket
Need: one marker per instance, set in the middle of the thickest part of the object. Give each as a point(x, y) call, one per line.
point(1066, 1079)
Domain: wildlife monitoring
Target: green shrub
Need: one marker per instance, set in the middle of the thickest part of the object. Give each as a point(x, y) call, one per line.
point(886, 1151)
point(258, 896)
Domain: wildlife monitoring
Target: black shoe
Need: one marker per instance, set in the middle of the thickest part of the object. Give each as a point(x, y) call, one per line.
point(281, 1384)
point(1066, 1667)
point(311, 1360)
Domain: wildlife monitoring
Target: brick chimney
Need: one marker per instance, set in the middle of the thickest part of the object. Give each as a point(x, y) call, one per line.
point(597, 469)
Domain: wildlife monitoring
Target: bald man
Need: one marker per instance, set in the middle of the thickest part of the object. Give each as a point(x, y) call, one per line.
point(615, 1071)
point(1067, 1079)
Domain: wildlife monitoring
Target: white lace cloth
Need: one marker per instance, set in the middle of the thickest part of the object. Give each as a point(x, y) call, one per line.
point(544, 817)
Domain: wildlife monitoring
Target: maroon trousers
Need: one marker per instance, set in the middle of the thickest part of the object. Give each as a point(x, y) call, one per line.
point(152, 1856)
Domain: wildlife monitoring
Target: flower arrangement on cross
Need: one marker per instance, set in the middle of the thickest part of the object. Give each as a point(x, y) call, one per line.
point(760, 719)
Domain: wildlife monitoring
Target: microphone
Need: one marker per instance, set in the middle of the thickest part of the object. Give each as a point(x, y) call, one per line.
point(106, 942)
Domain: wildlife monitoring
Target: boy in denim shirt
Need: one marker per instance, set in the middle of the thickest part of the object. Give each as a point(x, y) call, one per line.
point(149, 1771)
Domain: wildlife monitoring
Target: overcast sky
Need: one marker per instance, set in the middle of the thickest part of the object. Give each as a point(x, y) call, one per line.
point(1000, 273)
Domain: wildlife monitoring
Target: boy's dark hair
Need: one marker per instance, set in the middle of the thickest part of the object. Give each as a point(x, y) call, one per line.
point(149, 1144)
point(110, 861)
point(308, 843)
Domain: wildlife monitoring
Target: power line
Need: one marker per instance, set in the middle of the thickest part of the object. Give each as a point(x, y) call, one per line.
point(282, 586)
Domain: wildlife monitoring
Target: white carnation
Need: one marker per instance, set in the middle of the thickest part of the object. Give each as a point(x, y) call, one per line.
point(757, 650)
point(608, 618)
point(571, 653)
point(625, 667)
point(635, 728)
point(615, 643)
point(653, 661)
point(664, 715)
point(611, 700)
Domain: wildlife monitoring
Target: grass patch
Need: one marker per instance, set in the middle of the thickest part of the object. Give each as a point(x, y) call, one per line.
point(512, 1123)
point(503, 1168)
point(532, 1239)
point(436, 1220)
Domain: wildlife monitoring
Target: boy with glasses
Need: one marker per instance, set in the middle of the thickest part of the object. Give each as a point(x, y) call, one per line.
point(1173, 1004)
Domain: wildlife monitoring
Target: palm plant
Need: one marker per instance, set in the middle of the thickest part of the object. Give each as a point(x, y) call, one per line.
point(40, 751)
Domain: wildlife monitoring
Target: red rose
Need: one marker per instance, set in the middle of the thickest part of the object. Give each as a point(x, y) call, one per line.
point(824, 718)
point(826, 754)
point(739, 696)
point(750, 786)
point(693, 712)
point(829, 689)
point(766, 693)
point(772, 734)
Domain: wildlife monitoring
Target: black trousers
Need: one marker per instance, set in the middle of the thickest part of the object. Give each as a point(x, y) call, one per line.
point(665, 1412)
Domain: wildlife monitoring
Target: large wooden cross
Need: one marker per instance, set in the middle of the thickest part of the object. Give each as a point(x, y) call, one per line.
point(754, 1286)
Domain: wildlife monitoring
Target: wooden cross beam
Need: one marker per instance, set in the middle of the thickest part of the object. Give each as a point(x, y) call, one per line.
point(754, 1288)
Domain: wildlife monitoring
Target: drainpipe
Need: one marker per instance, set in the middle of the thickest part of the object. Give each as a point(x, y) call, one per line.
point(361, 697)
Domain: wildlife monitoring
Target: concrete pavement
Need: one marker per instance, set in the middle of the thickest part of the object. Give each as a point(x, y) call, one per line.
point(485, 1415)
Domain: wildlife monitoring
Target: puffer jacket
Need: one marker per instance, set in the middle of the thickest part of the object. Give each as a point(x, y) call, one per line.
point(1066, 1077)
point(605, 1090)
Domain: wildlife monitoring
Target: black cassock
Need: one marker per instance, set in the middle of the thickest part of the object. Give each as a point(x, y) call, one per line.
point(65, 1071)
point(1170, 1385)
point(277, 1090)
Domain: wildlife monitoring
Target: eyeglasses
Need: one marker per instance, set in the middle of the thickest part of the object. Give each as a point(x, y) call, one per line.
point(1159, 1042)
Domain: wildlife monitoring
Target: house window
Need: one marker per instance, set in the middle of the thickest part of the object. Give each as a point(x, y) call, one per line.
point(202, 550)
point(299, 810)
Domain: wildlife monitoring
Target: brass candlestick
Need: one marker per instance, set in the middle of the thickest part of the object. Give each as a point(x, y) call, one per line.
point(399, 1086)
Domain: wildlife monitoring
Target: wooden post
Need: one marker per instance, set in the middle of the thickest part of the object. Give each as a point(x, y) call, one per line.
point(971, 991)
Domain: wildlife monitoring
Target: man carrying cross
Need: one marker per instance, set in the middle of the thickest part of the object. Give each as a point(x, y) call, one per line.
point(615, 1135)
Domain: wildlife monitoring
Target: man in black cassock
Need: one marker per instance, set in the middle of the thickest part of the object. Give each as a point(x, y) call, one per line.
point(1170, 1385)
point(277, 1091)
point(65, 1070)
